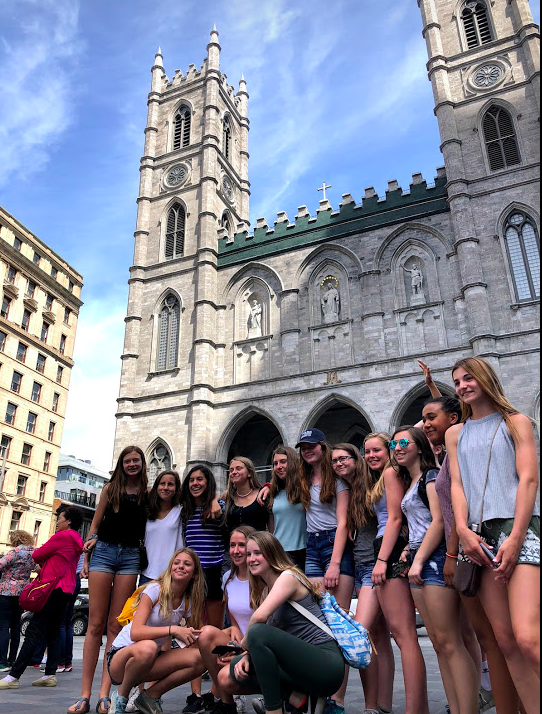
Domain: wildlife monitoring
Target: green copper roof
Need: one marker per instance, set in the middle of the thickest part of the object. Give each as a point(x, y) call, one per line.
point(397, 207)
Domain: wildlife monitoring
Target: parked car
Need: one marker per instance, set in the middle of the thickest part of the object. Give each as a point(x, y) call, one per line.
point(79, 619)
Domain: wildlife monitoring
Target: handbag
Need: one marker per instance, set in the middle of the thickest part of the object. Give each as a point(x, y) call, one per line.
point(143, 557)
point(468, 575)
point(352, 638)
point(36, 593)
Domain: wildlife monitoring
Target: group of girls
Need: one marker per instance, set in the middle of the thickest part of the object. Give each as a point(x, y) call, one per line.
point(387, 523)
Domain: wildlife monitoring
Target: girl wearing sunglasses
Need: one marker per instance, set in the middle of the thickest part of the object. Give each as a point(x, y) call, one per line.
point(438, 604)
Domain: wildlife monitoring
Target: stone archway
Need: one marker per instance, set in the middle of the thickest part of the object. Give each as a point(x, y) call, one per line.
point(342, 422)
point(256, 439)
point(409, 411)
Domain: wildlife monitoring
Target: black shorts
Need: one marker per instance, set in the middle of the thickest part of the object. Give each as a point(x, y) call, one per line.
point(213, 582)
point(395, 565)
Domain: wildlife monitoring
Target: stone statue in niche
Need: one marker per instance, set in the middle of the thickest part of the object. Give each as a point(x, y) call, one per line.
point(330, 300)
point(254, 322)
point(416, 283)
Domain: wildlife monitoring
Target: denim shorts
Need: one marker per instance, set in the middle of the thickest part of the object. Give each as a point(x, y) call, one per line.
point(433, 568)
point(114, 559)
point(364, 574)
point(319, 552)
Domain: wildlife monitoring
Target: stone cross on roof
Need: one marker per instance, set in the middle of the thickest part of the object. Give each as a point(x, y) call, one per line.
point(323, 189)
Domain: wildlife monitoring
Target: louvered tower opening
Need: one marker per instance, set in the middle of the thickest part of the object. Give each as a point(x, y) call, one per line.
point(168, 338)
point(175, 231)
point(226, 138)
point(181, 133)
point(524, 254)
point(500, 138)
point(476, 24)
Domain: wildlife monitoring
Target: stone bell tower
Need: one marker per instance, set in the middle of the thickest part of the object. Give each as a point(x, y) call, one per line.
point(193, 190)
point(485, 72)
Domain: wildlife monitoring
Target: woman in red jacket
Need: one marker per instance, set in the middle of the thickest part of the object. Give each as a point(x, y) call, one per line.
point(57, 557)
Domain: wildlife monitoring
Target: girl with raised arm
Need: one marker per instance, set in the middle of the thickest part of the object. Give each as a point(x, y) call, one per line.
point(493, 465)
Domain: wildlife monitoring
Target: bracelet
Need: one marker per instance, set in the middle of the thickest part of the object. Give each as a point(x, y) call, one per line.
point(169, 631)
point(268, 484)
point(448, 555)
point(382, 560)
point(94, 536)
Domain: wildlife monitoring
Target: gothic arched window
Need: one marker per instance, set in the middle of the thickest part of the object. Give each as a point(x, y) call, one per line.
point(476, 24)
point(225, 222)
point(175, 231)
point(181, 128)
point(500, 139)
point(226, 137)
point(524, 253)
point(168, 333)
point(159, 460)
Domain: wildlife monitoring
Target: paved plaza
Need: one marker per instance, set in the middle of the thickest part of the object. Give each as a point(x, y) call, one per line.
point(28, 699)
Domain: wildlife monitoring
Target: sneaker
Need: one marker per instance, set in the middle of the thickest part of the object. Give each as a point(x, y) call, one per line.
point(240, 703)
point(485, 700)
point(148, 705)
point(60, 668)
point(68, 668)
point(47, 682)
point(42, 667)
point(134, 694)
point(333, 708)
point(118, 703)
point(258, 705)
point(5, 668)
point(4, 684)
point(194, 705)
point(209, 701)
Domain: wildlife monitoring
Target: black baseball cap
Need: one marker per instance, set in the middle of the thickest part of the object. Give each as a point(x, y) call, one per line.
point(311, 436)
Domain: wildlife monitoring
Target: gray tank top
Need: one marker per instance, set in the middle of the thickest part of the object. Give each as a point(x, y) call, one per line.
point(502, 483)
point(287, 618)
point(381, 510)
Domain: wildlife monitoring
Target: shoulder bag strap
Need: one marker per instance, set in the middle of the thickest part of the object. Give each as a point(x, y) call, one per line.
point(312, 618)
point(487, 474)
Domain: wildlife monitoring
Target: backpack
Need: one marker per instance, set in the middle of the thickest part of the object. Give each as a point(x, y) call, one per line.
point(130, 606)
point(422, 488)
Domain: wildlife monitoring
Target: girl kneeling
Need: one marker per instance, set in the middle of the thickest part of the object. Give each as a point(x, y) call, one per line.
point(137, 654)
point(290, 657)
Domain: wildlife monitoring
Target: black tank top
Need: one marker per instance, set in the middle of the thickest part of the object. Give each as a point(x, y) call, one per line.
point(253, 515)
point(127, 527)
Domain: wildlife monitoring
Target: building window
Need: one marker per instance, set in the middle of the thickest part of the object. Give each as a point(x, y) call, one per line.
point(226, 138)
point(500, 139)
point(523, 248)
point(175, 231)
point(67, 313)
point(160, 460)
point(54, 272)
point(51, 431)
point(37, 526)
point(475, 20)
point(22, 349)
point(36, 259)
point(25, 322)
point(11, 411)
point(36, 392)
point(31, 422)
point(43, 489)
point(16, 382)
point(70, 286)
point(49, 301)
point(62, 345)
point(26, 454)
point(47, 461)
point(30, 289)
point(3, 338)
point(15, 520)
point(11, 274)
point(181, 130)
point(168, 335)
point(56, 399)
point(17, 244)
point(40, 363)
point(4, 311)
point(4, 446)
point(59, 373)
point(21, 485)
point(44, 331)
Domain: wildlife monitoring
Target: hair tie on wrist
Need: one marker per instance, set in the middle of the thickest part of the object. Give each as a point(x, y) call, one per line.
point(382, 560)
point(169, 631)
point(448, 555)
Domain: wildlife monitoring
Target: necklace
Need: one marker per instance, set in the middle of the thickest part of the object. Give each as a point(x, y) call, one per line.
point(244, 495)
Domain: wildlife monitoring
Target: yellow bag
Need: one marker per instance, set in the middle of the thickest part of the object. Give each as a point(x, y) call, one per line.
point(128, 611)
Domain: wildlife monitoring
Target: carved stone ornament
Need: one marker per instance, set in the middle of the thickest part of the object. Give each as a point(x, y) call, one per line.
point(330, 300)
point(227, 188)
point(487, 75)
point(176, 176)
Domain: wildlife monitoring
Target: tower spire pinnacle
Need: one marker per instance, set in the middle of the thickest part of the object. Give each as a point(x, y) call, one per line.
point(158, 59)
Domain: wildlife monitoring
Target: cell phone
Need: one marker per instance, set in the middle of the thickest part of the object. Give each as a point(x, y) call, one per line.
point(490, 554)
point(221, 650)
point(400, 567)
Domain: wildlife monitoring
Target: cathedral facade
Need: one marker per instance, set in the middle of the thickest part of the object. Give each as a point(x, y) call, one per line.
point(238, 339)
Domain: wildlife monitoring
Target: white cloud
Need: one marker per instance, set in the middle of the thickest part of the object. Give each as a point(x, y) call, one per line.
point(36, 82)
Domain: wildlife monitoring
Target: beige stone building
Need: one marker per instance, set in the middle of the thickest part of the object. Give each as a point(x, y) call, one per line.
point(38, 321)
point(238, 339)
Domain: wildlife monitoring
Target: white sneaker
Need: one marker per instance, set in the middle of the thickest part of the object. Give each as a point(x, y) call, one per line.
point(240, 703)
point(134, 694)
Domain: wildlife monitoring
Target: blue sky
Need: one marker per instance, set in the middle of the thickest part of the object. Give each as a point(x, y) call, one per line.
point(338, 92)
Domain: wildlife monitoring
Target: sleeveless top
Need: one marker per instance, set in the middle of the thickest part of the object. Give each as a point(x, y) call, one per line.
point(127, 527)
point(502, 483)
point(253, 515)
point(381, 511)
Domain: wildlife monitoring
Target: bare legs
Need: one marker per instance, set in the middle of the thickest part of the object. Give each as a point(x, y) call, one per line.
point(209, 638)
point(214, 616)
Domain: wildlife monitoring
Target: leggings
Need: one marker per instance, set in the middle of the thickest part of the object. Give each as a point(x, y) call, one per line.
point(282, 663)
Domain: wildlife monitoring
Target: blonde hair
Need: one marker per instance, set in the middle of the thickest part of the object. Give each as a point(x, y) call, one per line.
point(20, 538)
point(252, 479)
point(195, 589)
point(247, 531)
point(490, 384)
point(279, 562)
point(292, 484)
point(374, 481)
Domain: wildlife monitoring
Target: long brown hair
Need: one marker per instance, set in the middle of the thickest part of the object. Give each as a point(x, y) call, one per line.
point(252, 479)
point(117, 485)
point(358, 510)
point(328, 486)
point(291, 483)
point(279, 562)
point(195, 589)
point(154, 501)
point(426, 454)
point(490, 384)
point(374, 481)
point(247, 531)
point(188, 502)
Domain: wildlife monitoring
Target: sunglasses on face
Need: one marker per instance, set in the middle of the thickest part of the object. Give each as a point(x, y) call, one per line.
point(403, 443)
point(340, 459)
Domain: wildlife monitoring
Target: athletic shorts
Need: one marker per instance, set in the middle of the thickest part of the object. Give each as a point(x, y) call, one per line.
point(494, 532)
point(213, 582)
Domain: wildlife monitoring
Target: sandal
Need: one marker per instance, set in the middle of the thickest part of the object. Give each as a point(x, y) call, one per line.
point(106, 701)
point(82, 706)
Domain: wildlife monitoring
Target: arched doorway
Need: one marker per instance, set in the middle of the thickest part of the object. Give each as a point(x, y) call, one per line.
point(341, 422)
point(409, 410)
point(256, 439)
